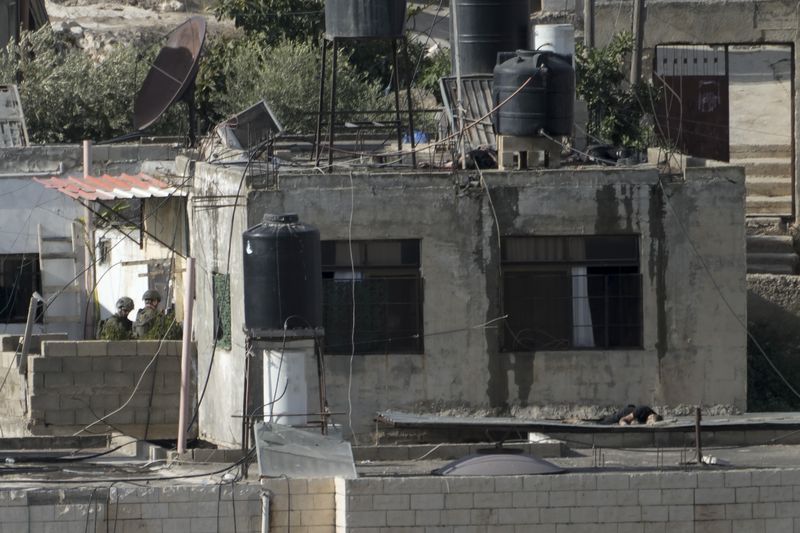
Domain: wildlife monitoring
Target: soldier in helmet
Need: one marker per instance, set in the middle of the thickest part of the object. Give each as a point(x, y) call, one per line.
point(118, 326)
point(148, 316)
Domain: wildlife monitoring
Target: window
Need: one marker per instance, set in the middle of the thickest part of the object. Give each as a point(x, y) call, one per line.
point(572, 292)
point(222, 309)
point(385, 285)
point(19, 278)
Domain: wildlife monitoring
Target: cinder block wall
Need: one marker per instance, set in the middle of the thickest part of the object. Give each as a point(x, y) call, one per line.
point(155, 509)
point(753, 501)
point(302, 505)
point(74, 383)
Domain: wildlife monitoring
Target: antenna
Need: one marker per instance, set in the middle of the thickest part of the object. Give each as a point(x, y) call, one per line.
point(171, 76)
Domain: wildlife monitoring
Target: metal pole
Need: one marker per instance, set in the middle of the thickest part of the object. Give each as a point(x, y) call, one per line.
point(88, 256)
point(588, 23)
point(332, 124)
point(188, 300)
point(317, 136)
point(409, 80)
point(697, 417)
point(397, 97)
point(638, 39)
point(459, 96)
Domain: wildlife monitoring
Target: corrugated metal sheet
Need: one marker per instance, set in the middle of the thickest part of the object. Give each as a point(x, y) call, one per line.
point(107, 187)
point(476, 91)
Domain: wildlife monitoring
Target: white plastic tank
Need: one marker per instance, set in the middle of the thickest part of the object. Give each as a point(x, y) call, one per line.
point(285, 388)
point(558, 38)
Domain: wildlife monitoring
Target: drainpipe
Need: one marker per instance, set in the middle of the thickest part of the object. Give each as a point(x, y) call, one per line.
point(188, 300)
point(264, 512)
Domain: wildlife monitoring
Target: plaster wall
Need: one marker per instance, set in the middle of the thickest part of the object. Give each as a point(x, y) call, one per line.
point(694, 346)
point(215, 229)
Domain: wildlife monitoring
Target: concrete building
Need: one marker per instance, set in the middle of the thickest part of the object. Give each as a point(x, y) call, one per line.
point(550, 289)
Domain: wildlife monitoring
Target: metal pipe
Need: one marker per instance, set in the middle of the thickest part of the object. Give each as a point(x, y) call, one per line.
point(188, 300)
point(588, 23)
point(638, 40)
point(265, 512)
point(88, 255)
point(459, 95)
point(697, 417)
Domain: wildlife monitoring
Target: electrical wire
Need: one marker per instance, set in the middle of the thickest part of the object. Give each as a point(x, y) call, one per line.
point(353, 315)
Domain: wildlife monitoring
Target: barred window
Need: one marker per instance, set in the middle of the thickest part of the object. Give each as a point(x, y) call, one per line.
point(379, 283)
point(572, 292)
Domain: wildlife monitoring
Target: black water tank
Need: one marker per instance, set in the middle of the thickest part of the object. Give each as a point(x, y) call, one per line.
point(365, 19)
point(282, 276)
point(486, 27)
point(526, 113)
point(546, 103)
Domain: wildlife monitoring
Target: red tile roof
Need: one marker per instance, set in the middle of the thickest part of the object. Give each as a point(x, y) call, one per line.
point(108, 187)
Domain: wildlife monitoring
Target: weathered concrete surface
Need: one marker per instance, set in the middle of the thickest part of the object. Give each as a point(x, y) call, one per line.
point(718, 22)
point(694, 346)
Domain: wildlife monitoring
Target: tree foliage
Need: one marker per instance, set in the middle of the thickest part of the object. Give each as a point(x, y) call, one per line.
point(618, 111)
point(276, 20)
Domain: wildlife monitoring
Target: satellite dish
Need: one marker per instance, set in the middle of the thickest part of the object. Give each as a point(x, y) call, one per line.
point(172, 74)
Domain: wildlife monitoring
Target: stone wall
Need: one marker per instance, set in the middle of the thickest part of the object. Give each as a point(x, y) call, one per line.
point(73, 384)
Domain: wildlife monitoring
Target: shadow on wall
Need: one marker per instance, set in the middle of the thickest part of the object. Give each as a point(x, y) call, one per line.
point(776, 328)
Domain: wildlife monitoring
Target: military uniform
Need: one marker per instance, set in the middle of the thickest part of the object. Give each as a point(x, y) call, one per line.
point(146, 318)
point(115, 327)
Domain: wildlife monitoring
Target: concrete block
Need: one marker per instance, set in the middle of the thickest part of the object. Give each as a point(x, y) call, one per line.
point(367, 519)
point(508, 484)
point(747, 495)
point(118, 379)
point(678, 480)
point(597, 498)
point(645, 481)
point(530, 499)
point(38, 363)
point(536, 483)
point(148, 348)
point(107, 364)
point(427, 501)
point(497, 500)
point(57, 380)
point(42, 513)
point(376, 486)
point(554, 516)
point(398, 518)
point(630, 528)
point(763, 478)
point(318, 518)
point(709, 512)
point(563, 498)
point(739, 511)
point(655, 527)
point(152, 510)
point(717, 495)
point(59, 348)
point(121, 348)
point(774, 493)
point(781, 525)
point(764, 510)
point(649, 497)
point(77, 365)
point(456, 517)
point(630, 513)
point(520, 516)
point(626, 497)
point(134, 364)
point(720, 526)
point(321, 486)
point(176, 525)
point(574, 482)
point(681, 513)
point(613, 482)
point(711, 479)
point(738, 479)
point(204, 525)
point(655, 513)
point(44, 401)
point(483, 517)
point(427, 517)
point(92, 348)
point(391, 501)
point(582, 515)
point(10, 515)
point(786, 510)
point(103, 401)
point(88, 379)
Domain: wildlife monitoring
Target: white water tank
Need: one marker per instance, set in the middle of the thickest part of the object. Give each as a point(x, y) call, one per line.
point(558, 38)
point(285, 387)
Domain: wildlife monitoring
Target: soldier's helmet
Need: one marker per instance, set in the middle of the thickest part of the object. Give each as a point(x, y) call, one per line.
point(151, 295)
point(125, 303)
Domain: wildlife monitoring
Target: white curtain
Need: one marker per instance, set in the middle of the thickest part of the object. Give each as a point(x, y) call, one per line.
point(582, 334)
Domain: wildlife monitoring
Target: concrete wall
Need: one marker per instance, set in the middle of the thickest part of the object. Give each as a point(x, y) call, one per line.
point(752, 501)
point(715, 22)
point(73, 384)
point(694, 346)
point(126, 509)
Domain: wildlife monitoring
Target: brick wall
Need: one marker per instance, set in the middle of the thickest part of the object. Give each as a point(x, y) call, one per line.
point(195, 508)
point(73, 383)
point(751, 501)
